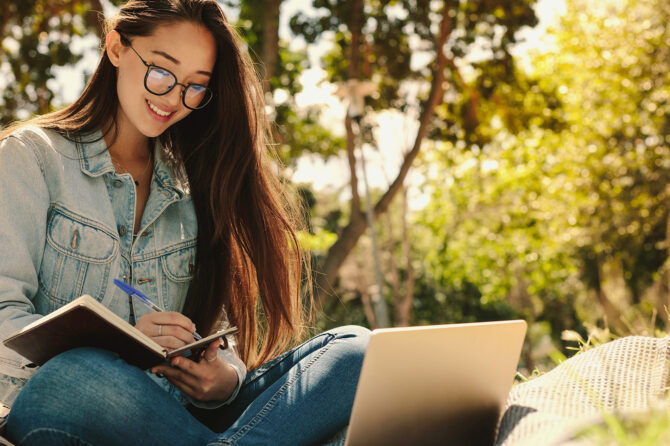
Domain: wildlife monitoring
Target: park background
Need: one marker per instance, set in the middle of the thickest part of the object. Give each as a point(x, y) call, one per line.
point(521, 172)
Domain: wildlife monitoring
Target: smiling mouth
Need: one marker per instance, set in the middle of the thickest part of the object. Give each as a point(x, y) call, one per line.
point(158, 111)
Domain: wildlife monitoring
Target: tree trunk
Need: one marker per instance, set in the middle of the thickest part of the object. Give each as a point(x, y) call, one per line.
point(356, 226)
point(355, 26)
point(393, 270)
point(270, 51)
point(611, 313)
point(349, 236)
point(95, 17)
point(368, 310)
point(353, 178)
point(403, 309)
point(352, 73)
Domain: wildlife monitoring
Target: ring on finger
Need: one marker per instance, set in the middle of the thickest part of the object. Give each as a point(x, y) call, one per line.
point(210, 360)
point(160, 330)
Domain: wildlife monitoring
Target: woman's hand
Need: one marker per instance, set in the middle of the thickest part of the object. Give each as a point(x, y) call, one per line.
point(168, 329)
point(210, 379)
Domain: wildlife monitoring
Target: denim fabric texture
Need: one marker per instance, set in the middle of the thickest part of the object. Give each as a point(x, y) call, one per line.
point(66, 229)
point(302, 397)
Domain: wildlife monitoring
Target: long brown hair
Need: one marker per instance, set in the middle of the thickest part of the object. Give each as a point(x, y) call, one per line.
point(248, 262)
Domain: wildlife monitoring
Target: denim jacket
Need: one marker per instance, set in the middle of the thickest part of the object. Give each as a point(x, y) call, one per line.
point(66, 229)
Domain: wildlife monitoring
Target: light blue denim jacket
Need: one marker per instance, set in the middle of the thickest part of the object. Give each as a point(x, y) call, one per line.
point(66, 229)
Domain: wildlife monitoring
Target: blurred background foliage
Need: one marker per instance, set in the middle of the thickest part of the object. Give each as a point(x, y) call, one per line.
point(544, 181)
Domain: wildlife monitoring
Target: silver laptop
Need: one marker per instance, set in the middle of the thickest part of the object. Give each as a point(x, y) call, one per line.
point(438, 384)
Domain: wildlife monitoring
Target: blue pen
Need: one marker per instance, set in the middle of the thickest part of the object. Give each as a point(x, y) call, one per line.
point(137, 294)
point(145, 300)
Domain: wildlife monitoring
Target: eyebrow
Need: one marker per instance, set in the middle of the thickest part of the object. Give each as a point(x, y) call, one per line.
point(175, 61)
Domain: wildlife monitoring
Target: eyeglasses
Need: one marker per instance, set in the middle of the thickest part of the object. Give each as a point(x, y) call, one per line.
point(161, 81)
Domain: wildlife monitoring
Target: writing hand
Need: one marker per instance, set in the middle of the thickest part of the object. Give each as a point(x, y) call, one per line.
point(168, 329)
point(204, 380)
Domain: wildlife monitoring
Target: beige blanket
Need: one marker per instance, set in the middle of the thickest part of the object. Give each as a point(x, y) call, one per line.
point(626, 376)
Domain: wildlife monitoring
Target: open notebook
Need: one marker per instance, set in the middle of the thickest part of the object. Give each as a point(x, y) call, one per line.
point(85, 322)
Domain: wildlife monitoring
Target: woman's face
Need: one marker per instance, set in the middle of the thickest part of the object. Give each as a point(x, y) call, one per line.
point(185, 49)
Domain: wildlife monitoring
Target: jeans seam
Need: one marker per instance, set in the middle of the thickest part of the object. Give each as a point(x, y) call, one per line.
point(275, 361)
point(51, 429)
point(273, 401)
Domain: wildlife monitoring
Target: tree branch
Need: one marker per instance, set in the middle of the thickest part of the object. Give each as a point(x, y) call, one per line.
point(356, 226)
point(353, 178)
point(434, 99)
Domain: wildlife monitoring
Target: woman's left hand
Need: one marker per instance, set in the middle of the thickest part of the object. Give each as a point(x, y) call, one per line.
point(210, 379)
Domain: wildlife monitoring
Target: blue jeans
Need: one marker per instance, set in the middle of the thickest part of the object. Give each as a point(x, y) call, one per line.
point(89, 396)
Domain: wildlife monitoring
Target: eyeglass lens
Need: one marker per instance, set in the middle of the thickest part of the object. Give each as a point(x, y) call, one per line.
point(160, 81)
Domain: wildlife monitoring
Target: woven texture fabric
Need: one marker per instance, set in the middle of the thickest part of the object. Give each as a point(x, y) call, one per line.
point(625, 375)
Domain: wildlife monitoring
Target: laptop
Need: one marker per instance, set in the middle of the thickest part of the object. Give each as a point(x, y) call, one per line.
point(438, 384)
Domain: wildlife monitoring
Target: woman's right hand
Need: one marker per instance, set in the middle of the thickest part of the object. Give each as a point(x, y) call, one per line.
point(168, 329)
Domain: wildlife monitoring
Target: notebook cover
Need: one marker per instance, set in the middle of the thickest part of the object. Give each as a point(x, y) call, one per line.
point(81, 326)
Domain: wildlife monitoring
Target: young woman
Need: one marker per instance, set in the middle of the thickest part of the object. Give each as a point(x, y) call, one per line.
point(159, 175)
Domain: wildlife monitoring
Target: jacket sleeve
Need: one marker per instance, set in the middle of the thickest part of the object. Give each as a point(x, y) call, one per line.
point(24, 203)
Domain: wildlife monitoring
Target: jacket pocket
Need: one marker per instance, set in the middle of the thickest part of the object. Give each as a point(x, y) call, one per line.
point(77, 258)
point(177, 267)
point(10, 387)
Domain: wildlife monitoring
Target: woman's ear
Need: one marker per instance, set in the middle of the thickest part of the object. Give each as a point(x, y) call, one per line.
point(113, 46)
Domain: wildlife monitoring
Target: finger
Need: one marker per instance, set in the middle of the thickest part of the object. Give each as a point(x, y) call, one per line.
point(210, 353)
point(176, 319)
point(193, 368)
point(169, 342)
point(178, 375)
point(180, 380)
point(174, 331)
point(213, 347)
point(169, 318)
point(186, 389)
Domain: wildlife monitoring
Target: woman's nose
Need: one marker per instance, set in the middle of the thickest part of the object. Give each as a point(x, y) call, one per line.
point(173, 98)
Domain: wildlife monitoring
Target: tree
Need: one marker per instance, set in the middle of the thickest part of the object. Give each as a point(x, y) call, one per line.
point(38, 38)
point(616, 100)
point(297, 132)
point(567, 219)
point(379, 40)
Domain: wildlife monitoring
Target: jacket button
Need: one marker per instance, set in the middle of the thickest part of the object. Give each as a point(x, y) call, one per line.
point(118, 183)
point(122, 231)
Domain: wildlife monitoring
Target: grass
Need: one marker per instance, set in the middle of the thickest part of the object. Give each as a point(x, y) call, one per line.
point(650, 428)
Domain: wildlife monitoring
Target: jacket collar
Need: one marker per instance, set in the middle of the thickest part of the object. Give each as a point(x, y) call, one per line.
point(94, 158)
point(95, 161)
